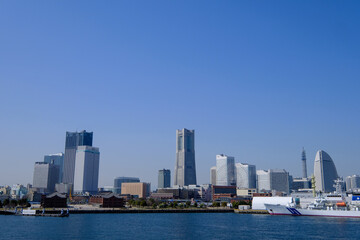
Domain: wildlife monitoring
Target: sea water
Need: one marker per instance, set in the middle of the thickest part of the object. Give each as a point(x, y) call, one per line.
point(178, 226)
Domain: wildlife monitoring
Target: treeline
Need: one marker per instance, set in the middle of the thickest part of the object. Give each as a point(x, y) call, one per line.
point(15, 203)
point(159, 204)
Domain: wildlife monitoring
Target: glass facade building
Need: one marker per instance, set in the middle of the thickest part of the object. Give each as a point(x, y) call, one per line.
point(57, 159)
point(164, 178)
point(185, 171)
point(325, 172)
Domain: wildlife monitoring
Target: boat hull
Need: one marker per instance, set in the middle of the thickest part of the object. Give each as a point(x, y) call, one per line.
point(283, 210)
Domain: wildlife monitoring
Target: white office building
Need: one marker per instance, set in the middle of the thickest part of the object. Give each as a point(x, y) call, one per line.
point(86, 169)
point(245, 175)
point(225, 170)
point(273, 179)
point(213, 175)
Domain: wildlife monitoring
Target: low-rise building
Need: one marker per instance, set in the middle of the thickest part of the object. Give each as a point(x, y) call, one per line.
point(136, 189)
point(224, 193)
point(55, 200)
point(245, 191)
point(110, 200)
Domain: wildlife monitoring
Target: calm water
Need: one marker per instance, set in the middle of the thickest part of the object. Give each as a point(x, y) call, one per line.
point(178, 226)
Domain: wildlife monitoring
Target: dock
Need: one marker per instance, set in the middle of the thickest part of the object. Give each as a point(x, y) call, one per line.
point(251, 211)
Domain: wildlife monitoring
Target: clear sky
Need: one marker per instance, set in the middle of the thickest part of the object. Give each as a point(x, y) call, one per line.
point(257, 80)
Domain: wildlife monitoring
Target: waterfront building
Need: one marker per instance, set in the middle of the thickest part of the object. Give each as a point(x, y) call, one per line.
point(136, 189)
point(213, 175)
point(245, 192)
point(225, 170)
point(73, 140)
point(164, 178)
point(273, 179)
point(119, 180)
point(86, 169)
point(109, 200)
point(223, 193)
point(46, 175)
point(325, 172)
point(54, 200)
point(57, 159)
point(245, 175)
point(185, 171)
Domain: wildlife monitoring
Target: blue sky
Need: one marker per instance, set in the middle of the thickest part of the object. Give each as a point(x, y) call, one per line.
point(257, 80)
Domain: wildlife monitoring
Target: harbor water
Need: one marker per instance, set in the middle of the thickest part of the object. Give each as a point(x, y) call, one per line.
point(178, 226)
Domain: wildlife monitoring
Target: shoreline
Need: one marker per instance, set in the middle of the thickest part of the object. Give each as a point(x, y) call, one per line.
point(122, 211)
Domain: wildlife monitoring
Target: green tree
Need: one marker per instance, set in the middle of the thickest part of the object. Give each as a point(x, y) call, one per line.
point(202, 205)
point(188, 203)
point(6, 202)
point(223, 204)
point(154, 205)
point(1, 205)
point(216, 204)
point(195, 204)
point(13, 203)
point(143, 203)
point(235, 205)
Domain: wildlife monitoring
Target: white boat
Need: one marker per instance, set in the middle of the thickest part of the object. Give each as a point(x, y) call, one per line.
point(277, 209)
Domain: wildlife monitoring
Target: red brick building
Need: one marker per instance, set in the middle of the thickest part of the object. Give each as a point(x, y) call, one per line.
point(110, 200)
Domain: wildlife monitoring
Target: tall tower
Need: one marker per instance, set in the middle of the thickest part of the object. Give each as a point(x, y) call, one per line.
point(73, 140)
point(185, 171)
point(303, 159)
point(304, 169)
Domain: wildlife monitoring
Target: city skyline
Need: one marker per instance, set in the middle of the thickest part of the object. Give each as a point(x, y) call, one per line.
point(285, 73)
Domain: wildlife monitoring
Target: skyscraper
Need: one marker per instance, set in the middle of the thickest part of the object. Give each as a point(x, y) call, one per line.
point(225, 170)
point(325, 172)
point(185, 171)
point(46, 175)
point(213, 175)
point(73, 140)
point(57, 159)
point(164, 178)
point(245, 175)
point(86, 169)
point(273, 179)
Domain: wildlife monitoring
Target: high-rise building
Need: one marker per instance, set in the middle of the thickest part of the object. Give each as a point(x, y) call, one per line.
point(86, 169)
point(73, 140)
point(325, 172)
point(185, 171)
point(119, 180)
point(164, 178)
point(57, 159)
point(352, 183)
point(46, 175)
point(245, 175)
point(213, 175)
point(273, 179)
point(225, 170)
